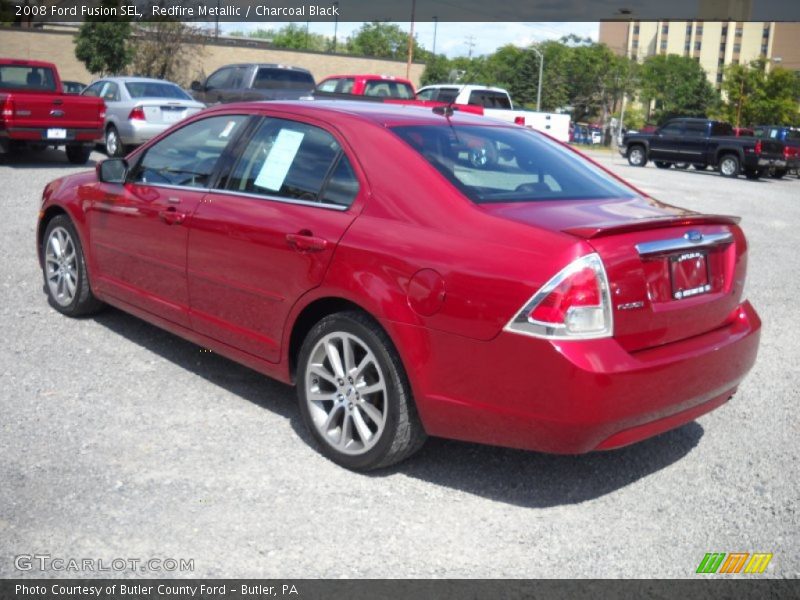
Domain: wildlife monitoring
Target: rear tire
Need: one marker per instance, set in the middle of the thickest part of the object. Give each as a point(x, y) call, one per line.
point(66, 280)
point(729, 165)
point(662, 164)
point(777, 173)
point(78, 154)
point(637, 157)
point(354, 394)
point(752, 174)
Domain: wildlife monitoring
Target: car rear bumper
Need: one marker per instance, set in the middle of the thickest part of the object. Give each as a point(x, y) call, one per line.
point(575, 397)
point(134, 133)
point(40, 135)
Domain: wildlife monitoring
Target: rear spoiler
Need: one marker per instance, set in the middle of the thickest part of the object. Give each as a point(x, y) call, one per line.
point(613, 228)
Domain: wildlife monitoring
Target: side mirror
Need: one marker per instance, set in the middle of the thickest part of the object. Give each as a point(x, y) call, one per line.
point(196, 86)
point(112, 170)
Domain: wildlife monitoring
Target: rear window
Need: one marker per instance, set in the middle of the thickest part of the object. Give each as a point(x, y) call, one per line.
point(283, 79)
point(388, 89)
point(489, 99)
point(155, 89)
point(20, 77)
point(505, 164)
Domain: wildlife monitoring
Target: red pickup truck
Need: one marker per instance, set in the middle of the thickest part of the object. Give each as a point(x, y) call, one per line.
point(35, 111)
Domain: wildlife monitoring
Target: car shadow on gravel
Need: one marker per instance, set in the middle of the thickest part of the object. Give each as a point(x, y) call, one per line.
point(46, 159)
point(517, 477)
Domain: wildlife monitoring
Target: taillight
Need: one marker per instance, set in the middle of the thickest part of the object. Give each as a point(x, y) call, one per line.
point(103, 111)
point(137, 114)
point(758, 147)
point(575, 304)
point(8, 108)
point(519, 121)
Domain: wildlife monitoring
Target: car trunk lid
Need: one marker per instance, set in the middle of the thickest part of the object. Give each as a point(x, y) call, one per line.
point(673, 274)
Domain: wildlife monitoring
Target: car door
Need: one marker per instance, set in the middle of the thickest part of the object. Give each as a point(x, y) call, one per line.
point(695, 140)
point(138, 230)
point(267, 236)
point(666, 144)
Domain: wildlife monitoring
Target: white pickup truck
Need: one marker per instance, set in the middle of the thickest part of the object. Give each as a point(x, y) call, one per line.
point(497, 104)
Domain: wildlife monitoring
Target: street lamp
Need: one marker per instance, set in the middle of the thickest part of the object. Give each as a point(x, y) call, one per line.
point(541, 70)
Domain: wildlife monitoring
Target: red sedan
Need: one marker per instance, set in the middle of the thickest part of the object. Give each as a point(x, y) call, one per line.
point(413, 273)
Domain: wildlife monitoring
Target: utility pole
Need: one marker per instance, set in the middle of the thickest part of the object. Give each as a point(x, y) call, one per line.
point(411, 40)
point(470, 44)
point(435, 27)
point(335, 25)
point(541, 71)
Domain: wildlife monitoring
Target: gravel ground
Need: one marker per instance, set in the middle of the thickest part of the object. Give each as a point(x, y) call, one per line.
point(121, 440)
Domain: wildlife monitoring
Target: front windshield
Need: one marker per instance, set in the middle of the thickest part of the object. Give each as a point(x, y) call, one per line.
point(509, 164)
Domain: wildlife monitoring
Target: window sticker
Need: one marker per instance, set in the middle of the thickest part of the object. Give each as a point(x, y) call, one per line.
point(276, 166)
point(228, 128)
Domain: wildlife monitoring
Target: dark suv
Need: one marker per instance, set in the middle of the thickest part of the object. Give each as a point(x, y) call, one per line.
point(703, 143)
point(244, 82)
point(791, 151)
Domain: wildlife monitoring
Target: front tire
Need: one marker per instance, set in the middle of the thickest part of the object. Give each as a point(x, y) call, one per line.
point(354, 395)
point(637, 157)
point(78, 154)
point(114, 145)
point(66, 280)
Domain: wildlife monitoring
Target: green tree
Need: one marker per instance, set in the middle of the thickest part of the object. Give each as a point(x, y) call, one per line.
point(165, 49)
point(103, 45)
point(757, 97)
point(384, 40)
point(678, 85)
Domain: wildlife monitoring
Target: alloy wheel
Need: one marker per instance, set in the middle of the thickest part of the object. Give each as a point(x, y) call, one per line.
point(61, 266)
point(346, 393)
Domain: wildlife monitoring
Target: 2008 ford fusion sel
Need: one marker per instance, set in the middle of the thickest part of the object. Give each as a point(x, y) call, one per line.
point(414, 272)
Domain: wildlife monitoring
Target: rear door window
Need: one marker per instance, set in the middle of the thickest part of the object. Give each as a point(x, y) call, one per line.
point(269, 78)
point(695, 129)
point(388, 89)
point(294, 161)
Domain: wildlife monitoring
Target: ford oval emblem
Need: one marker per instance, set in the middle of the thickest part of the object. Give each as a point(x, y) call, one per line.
point(693, 236)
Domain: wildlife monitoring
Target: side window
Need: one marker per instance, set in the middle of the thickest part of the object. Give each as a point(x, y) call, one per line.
point(696, 130)
point(346, 85)
point(295, 161)
point(447, 94)
point(672, 129)
point(94, 89)
point(188, 156)
point(219, 80)
point(111, 92)
point(426, 94)
point(237, 78)
point(329, 85)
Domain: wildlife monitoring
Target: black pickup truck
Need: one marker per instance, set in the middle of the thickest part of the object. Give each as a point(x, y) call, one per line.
point(703, 143)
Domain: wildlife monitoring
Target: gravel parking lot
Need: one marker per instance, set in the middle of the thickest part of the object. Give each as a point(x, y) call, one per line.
point(121, 440)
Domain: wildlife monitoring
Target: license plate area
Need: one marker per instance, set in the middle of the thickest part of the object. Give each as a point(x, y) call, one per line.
point(689, 274)
point(56, 134)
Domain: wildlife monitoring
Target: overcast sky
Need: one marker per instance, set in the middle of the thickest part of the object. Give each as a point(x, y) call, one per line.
point(453, 39)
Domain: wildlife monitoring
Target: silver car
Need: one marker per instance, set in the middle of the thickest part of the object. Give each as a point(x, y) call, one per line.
point(138, 109)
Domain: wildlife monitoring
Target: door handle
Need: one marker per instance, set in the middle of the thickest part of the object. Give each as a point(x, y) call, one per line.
point(305, 241)
point(171, 216)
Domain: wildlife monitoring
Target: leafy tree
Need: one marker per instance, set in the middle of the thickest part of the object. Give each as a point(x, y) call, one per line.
point(103, 44)
point(165, 49)
point(678, 85)
point(755, 97)
point(384, 40)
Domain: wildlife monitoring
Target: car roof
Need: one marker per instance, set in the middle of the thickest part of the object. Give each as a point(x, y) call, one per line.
point(268, 65)
point(370, 76)
point(465, 86)
point(24, 62)
point(383, 114)
point(132, 79)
